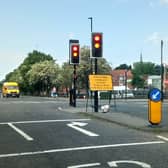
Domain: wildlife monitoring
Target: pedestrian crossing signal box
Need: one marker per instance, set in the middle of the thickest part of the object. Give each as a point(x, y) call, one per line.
point(155, 97)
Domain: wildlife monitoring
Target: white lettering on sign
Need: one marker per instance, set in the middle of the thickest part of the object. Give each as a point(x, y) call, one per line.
point(115, 163)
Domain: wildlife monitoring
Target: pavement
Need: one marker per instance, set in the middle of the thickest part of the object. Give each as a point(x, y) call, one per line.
point(121, 118)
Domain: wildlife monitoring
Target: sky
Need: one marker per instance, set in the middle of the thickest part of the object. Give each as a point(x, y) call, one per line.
point(129, 27)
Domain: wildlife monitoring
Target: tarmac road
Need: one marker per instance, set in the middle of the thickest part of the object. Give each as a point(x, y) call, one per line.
point(47, 133)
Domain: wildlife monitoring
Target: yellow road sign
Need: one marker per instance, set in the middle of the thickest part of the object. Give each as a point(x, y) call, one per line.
point(100, 82)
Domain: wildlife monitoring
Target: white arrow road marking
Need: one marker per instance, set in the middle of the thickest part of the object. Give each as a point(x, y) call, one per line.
point(27, 137)
point(85, 165)
point(142, 164)
point(163, 138)
point(154, 96)
point(76, 125)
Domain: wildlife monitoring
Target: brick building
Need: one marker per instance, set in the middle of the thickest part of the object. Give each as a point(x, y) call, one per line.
point(122, 78)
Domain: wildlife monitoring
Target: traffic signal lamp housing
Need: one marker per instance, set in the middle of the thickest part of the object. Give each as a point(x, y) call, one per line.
point(74, 53)
point(97, 44)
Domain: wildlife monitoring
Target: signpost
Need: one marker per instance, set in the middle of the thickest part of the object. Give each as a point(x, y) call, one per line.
point(100, 83)
point(155, 106)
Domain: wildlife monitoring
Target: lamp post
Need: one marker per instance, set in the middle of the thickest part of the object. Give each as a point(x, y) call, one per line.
point(91, 23)
point(91, 62)
point(161, 66)
point(91, 30)
point(95, 69)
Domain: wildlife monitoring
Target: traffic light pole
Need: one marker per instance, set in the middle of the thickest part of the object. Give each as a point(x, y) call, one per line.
point(74, 89)
point(96, 102)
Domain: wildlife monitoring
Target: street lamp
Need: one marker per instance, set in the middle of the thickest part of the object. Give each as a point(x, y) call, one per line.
point(161, 66)
point(91, 24)
point(96, 92)
point(91, 29)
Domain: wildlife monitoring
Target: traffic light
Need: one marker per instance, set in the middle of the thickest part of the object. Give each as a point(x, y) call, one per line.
point(97, 44)
point(74, 53)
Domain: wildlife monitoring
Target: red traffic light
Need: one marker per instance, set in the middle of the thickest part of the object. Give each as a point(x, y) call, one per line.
point(75, 50)
point(97, 42)
point(74, 53)
point(97, 37)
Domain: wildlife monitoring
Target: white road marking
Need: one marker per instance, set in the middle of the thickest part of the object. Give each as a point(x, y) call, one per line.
point(75, 125)
point(85, 165)
point(43, 121)
point(79, 148)
point(162, 137)
point(142, 164)
point(27, 137)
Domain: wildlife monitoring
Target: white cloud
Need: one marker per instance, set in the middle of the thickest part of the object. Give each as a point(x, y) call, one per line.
point(154, 3)
point(164, 2)
point(156, 37)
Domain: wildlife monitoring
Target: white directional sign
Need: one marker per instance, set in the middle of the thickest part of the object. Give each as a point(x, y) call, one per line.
point(77, 125)
point(115, 163)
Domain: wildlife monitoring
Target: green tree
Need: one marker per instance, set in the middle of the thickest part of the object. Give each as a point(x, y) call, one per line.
point(66, 76)
point(140, 71)
point(86, 67)
point(83, 69)
point(43, 75)
point(20, 74)
point(124, 66)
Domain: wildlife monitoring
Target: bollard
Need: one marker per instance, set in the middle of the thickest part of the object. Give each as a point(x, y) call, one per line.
point(155, 106)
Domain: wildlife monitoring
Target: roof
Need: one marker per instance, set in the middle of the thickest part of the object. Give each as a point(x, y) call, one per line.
point(10, 83)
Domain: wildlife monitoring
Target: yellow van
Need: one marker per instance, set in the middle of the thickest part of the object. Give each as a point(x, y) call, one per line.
point(10, 89)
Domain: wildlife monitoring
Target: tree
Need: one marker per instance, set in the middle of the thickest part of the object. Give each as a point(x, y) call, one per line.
point(85, 68)
point(39, 71)
point(137, 81)
point(123, 66)
point(140, 71)
point(43, 75)
point(66, 76)
point(143, 68)
point(20, 74)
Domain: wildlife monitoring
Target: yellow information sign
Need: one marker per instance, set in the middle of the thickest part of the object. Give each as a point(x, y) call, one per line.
point(100, 82)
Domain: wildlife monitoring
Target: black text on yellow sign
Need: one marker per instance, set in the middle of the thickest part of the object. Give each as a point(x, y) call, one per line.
point(154, 112)
point(100, 82)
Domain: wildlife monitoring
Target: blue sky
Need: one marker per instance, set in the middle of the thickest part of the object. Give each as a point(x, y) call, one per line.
point(129, 27)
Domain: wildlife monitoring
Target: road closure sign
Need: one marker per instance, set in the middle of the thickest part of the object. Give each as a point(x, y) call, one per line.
point(100, 82)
